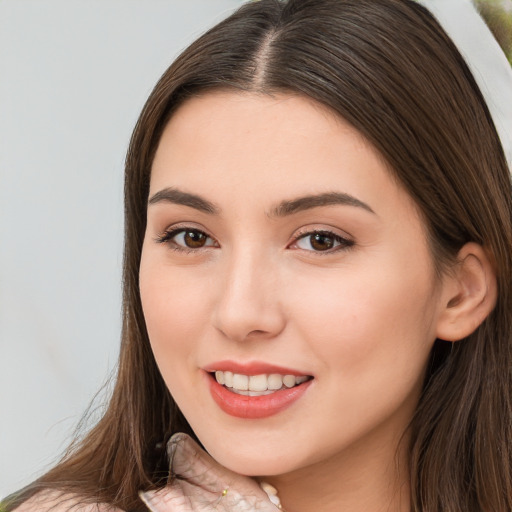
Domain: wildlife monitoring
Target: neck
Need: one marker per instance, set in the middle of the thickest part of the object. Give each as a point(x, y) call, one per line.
point(369, 477)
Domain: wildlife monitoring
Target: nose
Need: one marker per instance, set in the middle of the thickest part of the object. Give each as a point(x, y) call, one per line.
point(248, 305)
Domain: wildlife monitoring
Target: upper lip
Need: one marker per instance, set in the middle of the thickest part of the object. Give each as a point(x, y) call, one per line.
point(251, 368)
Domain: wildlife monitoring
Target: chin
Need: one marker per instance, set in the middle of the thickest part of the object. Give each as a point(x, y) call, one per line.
point(253, 460)
point(254, 467)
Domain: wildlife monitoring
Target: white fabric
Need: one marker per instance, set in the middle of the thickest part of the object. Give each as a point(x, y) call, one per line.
point(485, 58)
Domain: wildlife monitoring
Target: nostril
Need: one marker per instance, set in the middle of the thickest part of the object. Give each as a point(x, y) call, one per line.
point(256, 332)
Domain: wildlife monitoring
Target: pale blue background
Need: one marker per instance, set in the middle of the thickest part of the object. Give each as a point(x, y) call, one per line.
point(74, 75)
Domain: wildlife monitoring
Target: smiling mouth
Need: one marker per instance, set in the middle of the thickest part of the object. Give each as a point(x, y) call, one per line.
point(258, 385)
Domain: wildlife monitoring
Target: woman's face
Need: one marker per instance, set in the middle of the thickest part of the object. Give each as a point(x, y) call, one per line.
point(281, 252)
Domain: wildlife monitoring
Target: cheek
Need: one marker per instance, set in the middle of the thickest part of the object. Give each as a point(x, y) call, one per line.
point(370, 337)
point(175, 310)
point(364, 319)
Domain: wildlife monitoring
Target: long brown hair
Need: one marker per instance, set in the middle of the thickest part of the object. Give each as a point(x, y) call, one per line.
point(386, 67)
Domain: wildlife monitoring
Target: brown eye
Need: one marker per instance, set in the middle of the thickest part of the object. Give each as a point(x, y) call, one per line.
point(322, 241)
point(187, 239)
point(194, 239)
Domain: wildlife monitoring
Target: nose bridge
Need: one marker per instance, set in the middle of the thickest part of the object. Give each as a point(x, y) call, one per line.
point(249, 303)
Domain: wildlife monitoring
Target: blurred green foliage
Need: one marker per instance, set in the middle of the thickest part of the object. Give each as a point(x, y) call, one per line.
point(498, 16)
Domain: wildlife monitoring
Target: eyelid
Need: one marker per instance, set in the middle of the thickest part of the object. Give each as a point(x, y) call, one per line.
point(166, 236)
point(345, 240)
point(321, 228)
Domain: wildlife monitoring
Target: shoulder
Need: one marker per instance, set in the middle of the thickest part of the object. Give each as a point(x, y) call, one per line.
point(53, 501)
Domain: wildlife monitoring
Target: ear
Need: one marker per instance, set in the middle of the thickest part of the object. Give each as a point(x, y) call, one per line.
point(469, 293)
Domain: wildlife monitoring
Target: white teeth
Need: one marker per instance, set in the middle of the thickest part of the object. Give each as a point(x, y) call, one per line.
point(256, 385)
point(240, 382)
point(289, 381)
point(228, 379)
point(275, 381)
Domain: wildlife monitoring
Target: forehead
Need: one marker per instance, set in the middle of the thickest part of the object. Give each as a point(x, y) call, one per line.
point(245, 149)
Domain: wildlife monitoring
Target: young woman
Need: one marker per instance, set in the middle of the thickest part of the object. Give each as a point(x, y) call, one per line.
point(317, 278)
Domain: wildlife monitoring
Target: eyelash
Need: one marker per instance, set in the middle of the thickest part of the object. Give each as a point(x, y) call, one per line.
point(168, 235)
point(343, 243)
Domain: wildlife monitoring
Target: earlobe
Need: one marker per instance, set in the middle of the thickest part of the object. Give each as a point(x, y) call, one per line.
point(469, 294)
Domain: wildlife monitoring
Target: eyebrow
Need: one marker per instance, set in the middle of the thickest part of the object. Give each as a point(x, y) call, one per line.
point(175, 196)
point(300, 204)
point(283, 209)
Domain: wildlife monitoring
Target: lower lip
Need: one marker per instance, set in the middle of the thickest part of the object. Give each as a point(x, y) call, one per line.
point(255, 407)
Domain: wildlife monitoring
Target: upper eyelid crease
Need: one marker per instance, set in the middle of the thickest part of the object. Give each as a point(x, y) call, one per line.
point(180, 229)
point(340, 238)
point(308, 230)
point(169, 234)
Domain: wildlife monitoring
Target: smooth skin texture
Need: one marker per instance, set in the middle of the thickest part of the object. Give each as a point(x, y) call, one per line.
point(358, 308)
